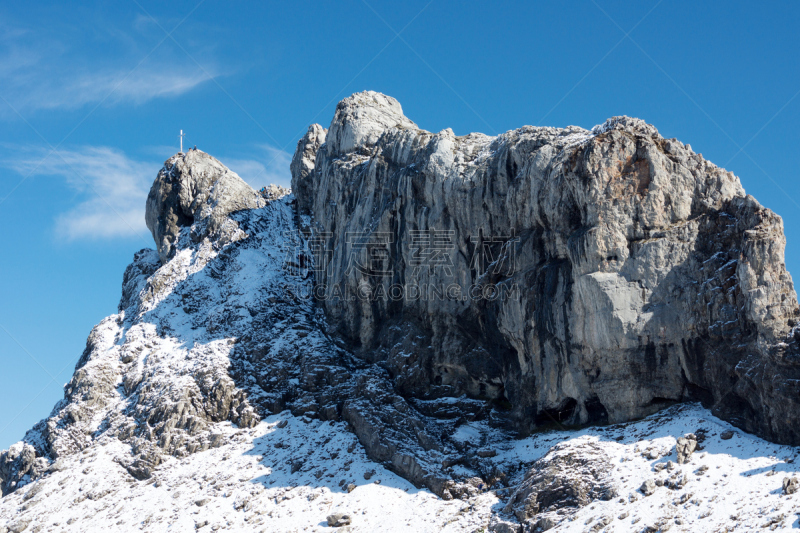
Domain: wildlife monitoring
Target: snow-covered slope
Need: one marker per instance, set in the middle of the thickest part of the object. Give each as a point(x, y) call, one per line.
point(251, 483)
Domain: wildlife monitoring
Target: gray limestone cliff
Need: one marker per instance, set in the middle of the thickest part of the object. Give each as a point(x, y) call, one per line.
point(567, 276)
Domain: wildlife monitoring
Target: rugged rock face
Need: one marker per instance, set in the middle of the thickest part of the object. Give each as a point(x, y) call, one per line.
point(303, 165)
point(220, 327)
point(561, 277)
point(194, 189)
point(568, 276)
point(17, 463)
point(567, 478)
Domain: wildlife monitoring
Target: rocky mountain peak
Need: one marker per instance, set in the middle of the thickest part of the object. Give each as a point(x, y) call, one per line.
point(195, 190)
point(626, 123)
point(303, 163)
point(361, 119)
point(436, 311)
point(641, 268)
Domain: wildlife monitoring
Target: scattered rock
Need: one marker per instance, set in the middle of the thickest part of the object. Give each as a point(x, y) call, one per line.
point(790, 485)
point(568, 477)
point(16, 463)
point(677, 481)
point(685, 447)
point(726, 435)
point(498, 525)
point(273, 192)
point(19, 525)
point(601, 523)
point(648, 487)
point(57, 466)
point(544, 523)
point(339, 520)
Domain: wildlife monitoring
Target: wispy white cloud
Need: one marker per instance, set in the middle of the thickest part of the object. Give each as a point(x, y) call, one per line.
point(147, 83)
point(270, 165)
point(111, 189)
point(37, 73)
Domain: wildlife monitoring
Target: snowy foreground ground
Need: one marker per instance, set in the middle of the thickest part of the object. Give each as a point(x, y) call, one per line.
point(289, 474)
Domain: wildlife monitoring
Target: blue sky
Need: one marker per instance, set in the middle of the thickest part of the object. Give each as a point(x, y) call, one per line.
point(94, 94)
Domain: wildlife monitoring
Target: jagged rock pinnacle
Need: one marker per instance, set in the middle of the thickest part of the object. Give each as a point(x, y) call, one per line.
point(195, 190)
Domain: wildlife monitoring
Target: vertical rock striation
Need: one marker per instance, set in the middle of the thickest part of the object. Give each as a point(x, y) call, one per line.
point(568, 276)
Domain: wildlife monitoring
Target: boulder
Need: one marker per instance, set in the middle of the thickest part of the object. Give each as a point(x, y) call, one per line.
point(499, 525)
point(685, 446)
point(648, 487)
point(568, 477)
point(339, 520)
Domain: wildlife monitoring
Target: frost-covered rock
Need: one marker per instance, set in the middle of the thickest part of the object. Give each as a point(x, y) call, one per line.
point(685, 446)
point(569, 275)
point(790, 485)
point(648, 487)
point(196, 190)
point(570, 476)
point(18, 466)
point(339, 520)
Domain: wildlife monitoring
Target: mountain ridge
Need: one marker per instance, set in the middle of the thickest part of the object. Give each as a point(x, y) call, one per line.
point(224, 332)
